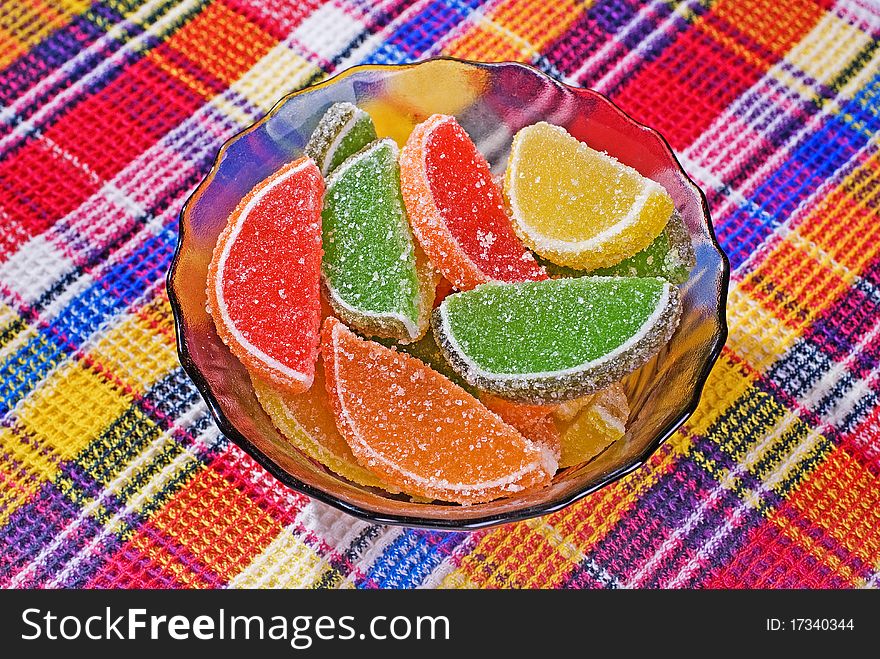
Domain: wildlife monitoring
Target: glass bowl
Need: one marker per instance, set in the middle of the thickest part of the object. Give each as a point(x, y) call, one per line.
point(492, 102)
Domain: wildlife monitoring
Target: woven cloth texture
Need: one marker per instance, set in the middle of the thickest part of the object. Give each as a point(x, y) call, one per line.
point(113, 474)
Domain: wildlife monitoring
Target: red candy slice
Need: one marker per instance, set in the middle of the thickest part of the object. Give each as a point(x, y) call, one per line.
point(456, 208)
point(264, 278)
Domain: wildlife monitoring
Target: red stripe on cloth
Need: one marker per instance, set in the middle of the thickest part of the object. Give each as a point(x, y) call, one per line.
point(864, 440)
point(110, 129)
point(152, 560)
point(38, 186)
point(277, 18)
point(683, 91)
point(222, 43)
point(770, 559)
point(202, 537)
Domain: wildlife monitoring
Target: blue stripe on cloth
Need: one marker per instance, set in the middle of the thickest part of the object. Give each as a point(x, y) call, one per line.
point(386, 54)
point(128, 279)
point(408, 560)
point(22, 370)
point(411, 39)
point(612, 15)
point(121, 285)
point(432, 23)
point(83, 315)
point(800, 368)
point(813, 161)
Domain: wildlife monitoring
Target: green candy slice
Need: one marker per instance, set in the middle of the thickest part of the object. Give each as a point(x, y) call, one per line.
point(344, 130)
point(370, 270)
point(670, 256)
point(550, 341)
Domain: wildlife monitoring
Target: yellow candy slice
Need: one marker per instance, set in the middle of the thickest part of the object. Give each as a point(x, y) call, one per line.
point(576, 206)
point(596, 426)
point(569, 409)
point(307, 421)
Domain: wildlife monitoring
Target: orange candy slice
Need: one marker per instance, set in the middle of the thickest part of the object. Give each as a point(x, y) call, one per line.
point(307, 422)
point(533, 421)
point(419, 431)
point(457, 210)
point(263, 281)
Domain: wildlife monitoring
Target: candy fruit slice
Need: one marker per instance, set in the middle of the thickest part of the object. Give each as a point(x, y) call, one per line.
point(533, 421)
point(264, 277)
point(307, 422)
point(457, 210)
point(594, 428)
point(427, 350)
point(670, 256)
point(576, 206)
point(344, 130)
point(558, 339)
point(370, 268)
point(420, 432)
point(569, 409)
point(444, 288)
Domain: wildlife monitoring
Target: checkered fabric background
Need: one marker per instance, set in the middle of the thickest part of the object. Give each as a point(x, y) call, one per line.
point(112, 473)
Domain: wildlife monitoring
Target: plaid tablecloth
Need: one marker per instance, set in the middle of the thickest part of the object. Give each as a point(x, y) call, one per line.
point(112, 473)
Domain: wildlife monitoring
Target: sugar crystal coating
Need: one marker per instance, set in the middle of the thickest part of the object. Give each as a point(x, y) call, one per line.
point(569, 409)
point(534, 422)
point(576, 206)
point(558, 339)
point(264, 276)
point(421, 432)
point(670, 256)
point(457, 209)
point(344, 130)
point(307, 422)
point(542, 352)
point(370, 266)
point(427, 351)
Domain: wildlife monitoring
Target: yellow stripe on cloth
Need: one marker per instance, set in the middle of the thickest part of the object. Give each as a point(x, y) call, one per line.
point(845, 221)
point(25, 23)
point(70, 409)
point(755, 334)
point(278, 72)
point(538, 22)
point(218, 522)
point(496, 562)
point(23, 469)
point(726, 383)
point(795, 283)
point(844, 499)
point(827, 50)
point(515, 30)
point(806, 542)
point(137, 352)
point(287, 562)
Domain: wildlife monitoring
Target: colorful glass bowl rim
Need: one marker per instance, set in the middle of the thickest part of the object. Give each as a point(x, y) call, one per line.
point(544, 508)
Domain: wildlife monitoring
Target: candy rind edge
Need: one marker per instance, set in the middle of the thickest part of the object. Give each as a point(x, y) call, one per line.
point(572, 383)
